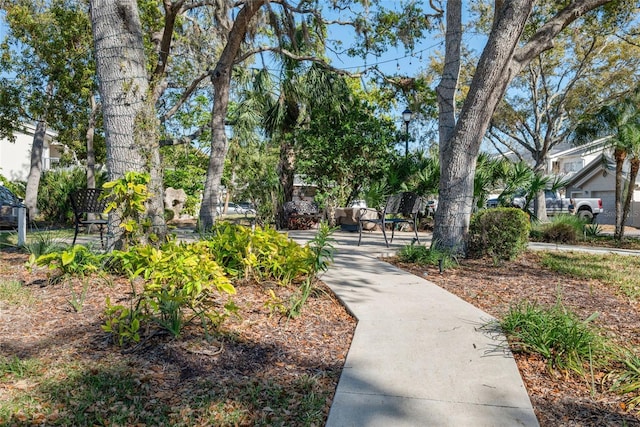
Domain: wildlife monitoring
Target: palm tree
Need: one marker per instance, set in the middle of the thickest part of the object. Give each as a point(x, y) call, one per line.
point(621, 120)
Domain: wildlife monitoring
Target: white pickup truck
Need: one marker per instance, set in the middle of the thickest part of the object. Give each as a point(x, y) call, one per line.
point(584, 208)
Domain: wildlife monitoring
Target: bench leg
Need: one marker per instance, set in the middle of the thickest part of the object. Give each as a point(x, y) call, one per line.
point(75, 235)
point(101, 240)
point(384, 233)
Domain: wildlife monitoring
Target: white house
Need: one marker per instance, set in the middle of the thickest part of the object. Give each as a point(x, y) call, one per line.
point(565, 160)
point(15, 157)
point(590, 173)
point(597, 179)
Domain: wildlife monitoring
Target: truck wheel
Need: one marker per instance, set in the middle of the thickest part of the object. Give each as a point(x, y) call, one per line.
point(586, 215)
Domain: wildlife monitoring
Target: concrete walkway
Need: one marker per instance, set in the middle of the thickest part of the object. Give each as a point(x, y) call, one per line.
point(420, 356)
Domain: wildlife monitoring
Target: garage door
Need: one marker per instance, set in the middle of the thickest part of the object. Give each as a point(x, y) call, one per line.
point(609, 206)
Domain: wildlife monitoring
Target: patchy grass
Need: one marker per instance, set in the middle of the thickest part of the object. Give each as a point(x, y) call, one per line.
point(15, 293)
point(619, 271)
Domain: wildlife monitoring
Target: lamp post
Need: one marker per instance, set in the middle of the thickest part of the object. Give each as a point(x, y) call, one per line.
point(406, 116)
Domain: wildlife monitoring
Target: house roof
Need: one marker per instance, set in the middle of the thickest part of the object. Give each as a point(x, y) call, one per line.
point(573, 150)
point(596, 166)
point(563, 150)
point(30, 129)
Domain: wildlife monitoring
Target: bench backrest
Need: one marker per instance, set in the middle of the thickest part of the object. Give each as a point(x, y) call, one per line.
point(87, 201)
point(403, 203)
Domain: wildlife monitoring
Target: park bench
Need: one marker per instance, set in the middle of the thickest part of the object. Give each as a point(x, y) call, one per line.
point(88, 211)
point(401, 208)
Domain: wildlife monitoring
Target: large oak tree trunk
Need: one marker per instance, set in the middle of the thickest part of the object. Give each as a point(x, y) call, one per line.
point(499, 63)
point(129, 116)
point(458, 153)
point(35, 169)
point(221, 79)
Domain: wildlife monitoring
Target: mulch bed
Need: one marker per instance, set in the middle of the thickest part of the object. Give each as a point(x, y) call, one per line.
point(258, 346)
point(559, 399)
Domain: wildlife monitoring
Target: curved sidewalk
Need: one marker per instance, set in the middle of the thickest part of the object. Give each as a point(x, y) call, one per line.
point(420, 356)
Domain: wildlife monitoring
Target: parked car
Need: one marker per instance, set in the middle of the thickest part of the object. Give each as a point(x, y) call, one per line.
point(248, 207)
point(586, 208)
point(234, 209)
point(432, 206)
point(9, 204)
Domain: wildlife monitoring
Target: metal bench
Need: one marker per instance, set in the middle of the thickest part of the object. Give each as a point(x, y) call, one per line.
point(401, 208)
point(88, 210)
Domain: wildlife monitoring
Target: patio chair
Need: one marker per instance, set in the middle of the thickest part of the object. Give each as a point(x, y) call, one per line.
point(88, 209)
point(401, 208)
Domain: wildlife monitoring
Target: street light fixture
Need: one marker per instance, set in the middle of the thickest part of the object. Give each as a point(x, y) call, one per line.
point(406, 116)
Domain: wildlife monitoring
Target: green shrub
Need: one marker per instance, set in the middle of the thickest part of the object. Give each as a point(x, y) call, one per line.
point(501, 233)
point(181, 284)
point(562, 229)
point(76, 261)
point(263, 253)
point(559, 233)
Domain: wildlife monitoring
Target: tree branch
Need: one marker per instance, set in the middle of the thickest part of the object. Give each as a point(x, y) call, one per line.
point(185, 95)
point(291, 55)
point(543, 39)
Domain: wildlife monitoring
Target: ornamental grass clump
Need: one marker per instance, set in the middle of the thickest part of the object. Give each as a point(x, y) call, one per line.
point(563, 229)
point(556, 334)
point(422, 255)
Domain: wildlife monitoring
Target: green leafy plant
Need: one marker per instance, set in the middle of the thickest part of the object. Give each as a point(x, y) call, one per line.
point(127, 197)
point(76, 261)
point(422, 255)
point(275, 304)
point(78, 298)
point(627, 380)
point(502, 233)
point(565, 342)
point(592, 230)
point(263, 253)
point(321, 247)
point(123, 322)
point(181, 284)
